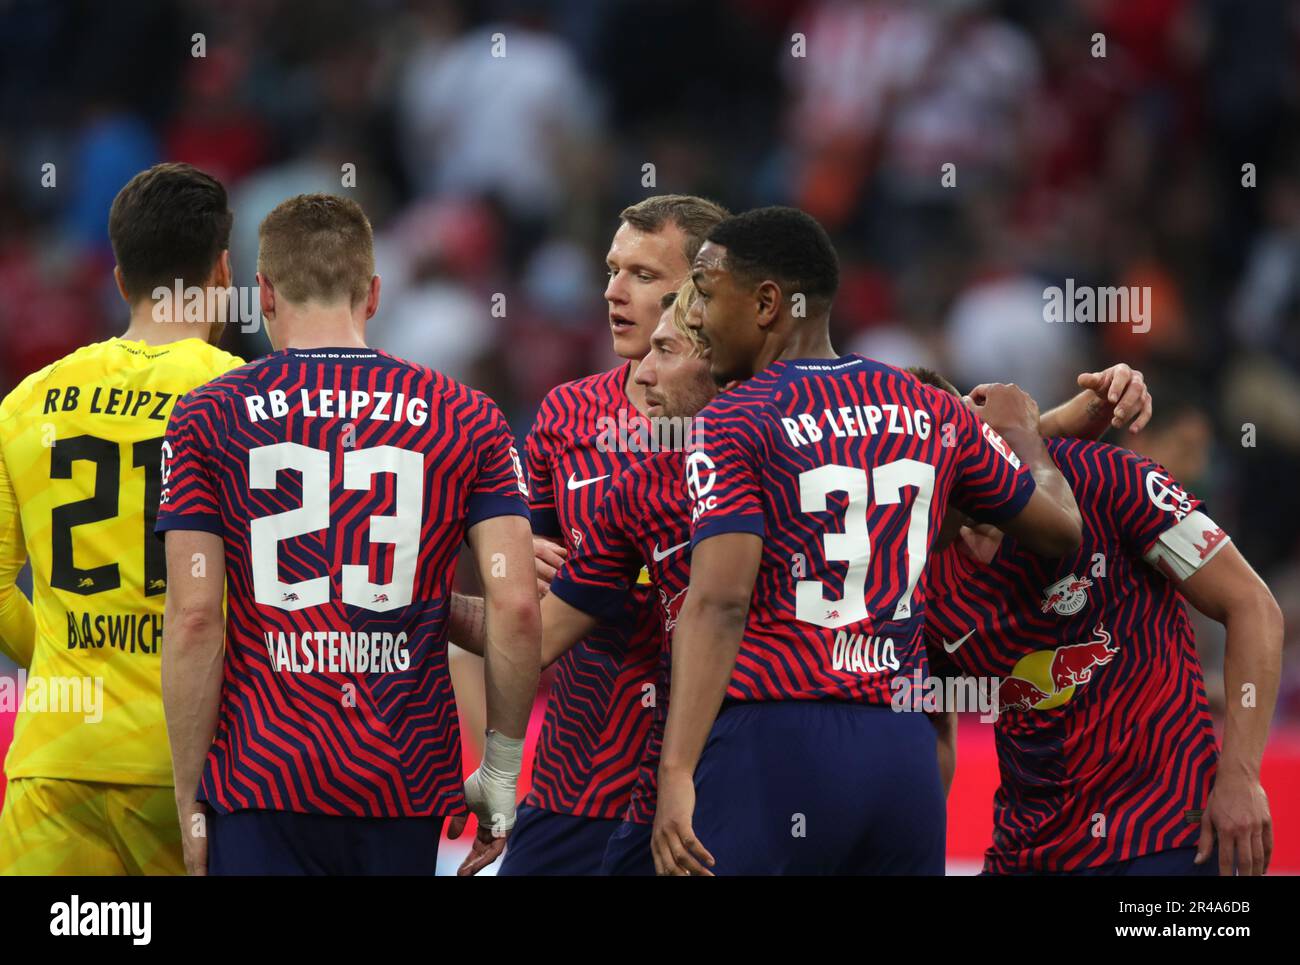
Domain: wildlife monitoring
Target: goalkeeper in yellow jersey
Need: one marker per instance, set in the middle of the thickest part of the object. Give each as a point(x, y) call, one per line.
point(90, 777)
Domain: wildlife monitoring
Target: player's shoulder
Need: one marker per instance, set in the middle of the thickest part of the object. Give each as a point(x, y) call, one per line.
point(598, 392)
point(206, 361)
point(1091, 461)
point(18, 398)
point(227, 385)
point(653, 472)
point(1101, 473)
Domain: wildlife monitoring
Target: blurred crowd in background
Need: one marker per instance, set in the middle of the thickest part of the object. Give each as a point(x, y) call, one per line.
point(1150, 143)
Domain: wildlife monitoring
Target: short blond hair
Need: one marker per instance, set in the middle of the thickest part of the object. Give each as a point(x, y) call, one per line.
point(317, 247)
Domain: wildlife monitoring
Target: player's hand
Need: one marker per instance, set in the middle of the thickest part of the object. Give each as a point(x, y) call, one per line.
point(1238, 816)
point(490, 793)
point(1122, 396)
point(979, 542)
point(550, 556)
point(676, 849)
point(194, 838)
point(483, 850)
point(1006, 408)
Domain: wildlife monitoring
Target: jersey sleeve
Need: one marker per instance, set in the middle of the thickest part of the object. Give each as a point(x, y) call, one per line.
point(991, 484)
point(597, 576)
point(499, 486)
point(17, 618)
point(723, 476)
point(1157, 519)
point(541, 484)
point(190, 490)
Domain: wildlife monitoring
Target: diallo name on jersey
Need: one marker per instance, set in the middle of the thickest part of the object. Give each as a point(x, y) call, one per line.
point(339, 404)
point(853, 421)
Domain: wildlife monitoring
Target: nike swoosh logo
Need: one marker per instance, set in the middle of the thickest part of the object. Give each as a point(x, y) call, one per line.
point(660, 557)
point(575, 483)
point(952, 647)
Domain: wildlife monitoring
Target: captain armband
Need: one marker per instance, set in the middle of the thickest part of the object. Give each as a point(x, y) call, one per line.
point(1183, 549)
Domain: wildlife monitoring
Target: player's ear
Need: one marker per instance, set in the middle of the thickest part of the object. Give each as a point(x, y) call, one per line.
point(372, 298)
point(121, 284)
point(221, 276)
point(769, 303)
point(266, 296)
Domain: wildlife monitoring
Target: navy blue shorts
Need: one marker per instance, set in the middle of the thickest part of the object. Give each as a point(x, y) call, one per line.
point(285, 843)
point(546, 843)
point(628, 852)
point(1178, 862)
point(820, 788)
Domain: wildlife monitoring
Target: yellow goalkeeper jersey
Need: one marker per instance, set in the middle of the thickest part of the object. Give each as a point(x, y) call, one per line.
point(80, 477)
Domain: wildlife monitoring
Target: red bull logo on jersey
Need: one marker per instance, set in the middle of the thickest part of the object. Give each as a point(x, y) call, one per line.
point(1016, 693)
point(1047, 678)
point(1066, 596)
point(1074, 663)
point(672, 609)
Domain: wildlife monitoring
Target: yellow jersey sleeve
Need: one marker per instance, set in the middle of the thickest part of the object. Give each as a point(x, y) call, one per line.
point(17, 618)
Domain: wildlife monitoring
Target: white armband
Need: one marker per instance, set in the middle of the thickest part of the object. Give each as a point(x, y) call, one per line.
point(1183, 549)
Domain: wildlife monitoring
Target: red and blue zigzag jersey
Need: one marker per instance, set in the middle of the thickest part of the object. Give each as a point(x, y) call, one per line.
point(844, 467)
point(1105, 742)
point(642, 526)
point(596, 721)
point(343, 482)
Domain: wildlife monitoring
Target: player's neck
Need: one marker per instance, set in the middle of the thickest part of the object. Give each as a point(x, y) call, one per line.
point(144, 327)
point(313, 329)
point(635, 392)
point(806, 341)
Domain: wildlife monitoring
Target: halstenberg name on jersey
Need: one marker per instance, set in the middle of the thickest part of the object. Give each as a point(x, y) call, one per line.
point(853, 421)
point(339, 404)
point(127, 632)
point(331, 651)
point(130, 403)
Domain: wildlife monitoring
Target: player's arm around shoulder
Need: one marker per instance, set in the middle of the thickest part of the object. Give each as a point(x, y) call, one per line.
point(1113, 398)
point(1049, 522)
point(193, 639)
